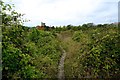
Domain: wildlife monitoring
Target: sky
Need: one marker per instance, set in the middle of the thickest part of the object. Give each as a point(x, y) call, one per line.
point(65, 12)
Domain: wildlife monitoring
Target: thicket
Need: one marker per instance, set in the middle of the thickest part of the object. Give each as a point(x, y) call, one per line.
point(99, 56)
point(26, 52)
point(31, 53)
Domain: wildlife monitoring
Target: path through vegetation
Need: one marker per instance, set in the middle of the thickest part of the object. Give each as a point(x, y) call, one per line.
point(61, 75)
point(62, 38)
point(69, 49)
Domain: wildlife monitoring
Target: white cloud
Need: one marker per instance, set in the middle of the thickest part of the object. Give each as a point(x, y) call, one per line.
point(63, 12)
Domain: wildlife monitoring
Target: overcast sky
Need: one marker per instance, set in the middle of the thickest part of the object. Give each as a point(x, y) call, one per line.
point(64, 12)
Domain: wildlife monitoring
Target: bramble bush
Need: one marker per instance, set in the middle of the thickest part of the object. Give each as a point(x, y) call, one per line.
point(102, 58)
point(26, 52)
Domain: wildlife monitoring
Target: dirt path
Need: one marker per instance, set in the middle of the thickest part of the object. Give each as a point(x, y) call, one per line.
point(61, 75)
point(64, 38)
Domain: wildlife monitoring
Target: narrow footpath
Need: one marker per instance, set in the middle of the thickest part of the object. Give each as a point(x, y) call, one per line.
point(63, 37)
point(61, 75)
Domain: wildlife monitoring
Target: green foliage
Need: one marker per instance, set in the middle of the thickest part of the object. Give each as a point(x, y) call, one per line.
point(31, 53)
point(27, 52)
point(77, 36)
point(24, 53)
point(102, 53)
